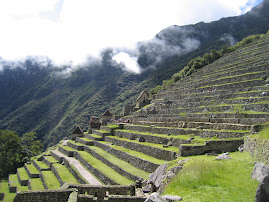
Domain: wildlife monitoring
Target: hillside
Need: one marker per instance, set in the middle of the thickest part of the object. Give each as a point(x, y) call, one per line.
point(210, 112)
point(42, 98)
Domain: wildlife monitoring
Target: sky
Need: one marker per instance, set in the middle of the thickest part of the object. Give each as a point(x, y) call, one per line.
point(72, 30)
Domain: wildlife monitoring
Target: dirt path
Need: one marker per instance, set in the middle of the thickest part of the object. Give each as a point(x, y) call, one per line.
point(86, 174)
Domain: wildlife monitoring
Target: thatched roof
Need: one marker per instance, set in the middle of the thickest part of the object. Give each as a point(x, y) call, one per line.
point(141, 94)
point(77, 131)
point(107, 113)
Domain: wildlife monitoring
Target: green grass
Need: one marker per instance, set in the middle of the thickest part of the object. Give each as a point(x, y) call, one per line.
point(136, 154)
point(67, 148)
point(106, 170)
point(86, 139)
point(206, 179)
point(4, 189)
point(65, 174)
point(76, 143)
point(160, 146)
point(112, 126)
point(36, 184)
point(51, 180)
point(41, 164)
point(23, 174)
point(122, 164)
point(263, 134)
point(32, 168)
point(51, 159)
point(95, 136)
point(14, 182)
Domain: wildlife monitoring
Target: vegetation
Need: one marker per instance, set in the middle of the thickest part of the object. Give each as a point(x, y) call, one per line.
point(50, 180)
point(206, 179)
point(208, 58)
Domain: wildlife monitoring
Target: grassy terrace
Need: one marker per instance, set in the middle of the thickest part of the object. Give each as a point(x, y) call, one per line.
point(160, 146)
point(86, 139)
point(184, 137)
point(65, 174)
point(51, 159)
point(136, 153)
point(106, 170)
point(187, 129)
point(41, 164)
point(112, 126)
point(122, 164)
point(36, 184)
point(76, 143)
point(32, 168)
point(206, 179)
point(23, 174)
point(50, 180)
point(4, 189)
point(237, 82)
point(14, 182)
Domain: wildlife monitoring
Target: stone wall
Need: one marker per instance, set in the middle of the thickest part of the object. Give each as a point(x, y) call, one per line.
point(151, 151)
point(258, 148)
point(211, 146)
point(79, 178)
point(44, 195)
point(135, 161)
point(94, 171)
point(22, 182)
point(176, 142)
point(111, 165)
point(89, 143)
point(66, 152)
point(55, 172)
point(75, 146)
point(42, 180)
point(31, 175)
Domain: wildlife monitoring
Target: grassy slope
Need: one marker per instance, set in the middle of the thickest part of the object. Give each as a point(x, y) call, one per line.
point(206, 179)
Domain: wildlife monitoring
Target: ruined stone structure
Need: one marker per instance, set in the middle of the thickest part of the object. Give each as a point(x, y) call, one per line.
point(77, 133)
point(142, 100)
point(106, 117)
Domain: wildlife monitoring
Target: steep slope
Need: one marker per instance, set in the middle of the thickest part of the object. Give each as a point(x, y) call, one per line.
point(35, 98)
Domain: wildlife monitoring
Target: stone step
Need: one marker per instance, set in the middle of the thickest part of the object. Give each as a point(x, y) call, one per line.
point(135, 158)
point(200, 118)
point(171, 133)
point(204, 125)
point(120, 166)
point(93, 137)
point(23, 177)
point(155, 150)
point(31, 170)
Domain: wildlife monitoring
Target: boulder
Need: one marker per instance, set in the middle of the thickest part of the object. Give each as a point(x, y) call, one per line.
point(141, 139)
point(172, 198)
point(259, 171)
point(241, 148)
point(262, 193)
point(155, 197)
point(155, 178)
point(223, 156)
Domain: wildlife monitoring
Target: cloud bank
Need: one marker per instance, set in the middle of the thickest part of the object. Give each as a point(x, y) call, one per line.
point(69, 32)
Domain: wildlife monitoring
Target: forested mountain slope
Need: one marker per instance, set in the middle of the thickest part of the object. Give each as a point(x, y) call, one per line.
point(42, 98)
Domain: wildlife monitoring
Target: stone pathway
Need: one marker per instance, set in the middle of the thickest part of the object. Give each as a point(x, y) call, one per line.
point(86, 174)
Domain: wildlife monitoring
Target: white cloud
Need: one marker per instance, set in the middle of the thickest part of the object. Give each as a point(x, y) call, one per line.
point(127, 62)
point(69, 30)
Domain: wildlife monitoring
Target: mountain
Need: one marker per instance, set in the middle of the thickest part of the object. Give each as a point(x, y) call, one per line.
point(37, 96)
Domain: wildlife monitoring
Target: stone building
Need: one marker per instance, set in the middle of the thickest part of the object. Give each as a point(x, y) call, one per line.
point(142, 100)
point(77, 133)
point(106, 117)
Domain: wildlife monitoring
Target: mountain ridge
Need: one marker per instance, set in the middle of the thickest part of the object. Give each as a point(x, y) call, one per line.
point(37, 99)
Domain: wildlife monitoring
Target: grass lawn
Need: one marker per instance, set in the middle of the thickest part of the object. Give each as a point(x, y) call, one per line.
point(103, 168)
point(32, 168)
point(36, 184)
point(23, 174)
point(65, 174)
point(206, 179)
point(41, 164)
point(136, 154)
point(4, 189)
point(51, 180)
point(122, 164)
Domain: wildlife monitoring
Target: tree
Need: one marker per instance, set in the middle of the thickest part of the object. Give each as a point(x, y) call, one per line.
point(30, 146)
point(10, 152)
